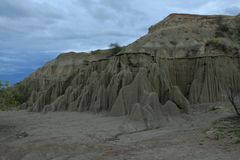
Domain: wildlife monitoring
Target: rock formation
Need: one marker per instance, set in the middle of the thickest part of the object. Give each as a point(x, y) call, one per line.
point(180, 61)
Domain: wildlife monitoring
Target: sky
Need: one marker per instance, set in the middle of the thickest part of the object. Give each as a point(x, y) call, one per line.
point(32, 32)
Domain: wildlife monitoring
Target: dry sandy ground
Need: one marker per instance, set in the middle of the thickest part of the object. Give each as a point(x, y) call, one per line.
point(88, 136)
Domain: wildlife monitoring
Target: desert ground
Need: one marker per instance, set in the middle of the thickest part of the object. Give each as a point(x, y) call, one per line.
point(88, 136)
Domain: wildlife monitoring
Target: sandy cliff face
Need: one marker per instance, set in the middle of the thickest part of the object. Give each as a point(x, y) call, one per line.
point(180, 61)
point(180, 35)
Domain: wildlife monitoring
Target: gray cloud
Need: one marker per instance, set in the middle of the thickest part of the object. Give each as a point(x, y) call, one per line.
point(28, 9)
point(11, 9)
point(217, 7)
point(234, 10)
point(35, 31)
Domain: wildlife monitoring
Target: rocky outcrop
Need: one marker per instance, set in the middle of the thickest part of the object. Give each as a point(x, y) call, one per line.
point(172, 65)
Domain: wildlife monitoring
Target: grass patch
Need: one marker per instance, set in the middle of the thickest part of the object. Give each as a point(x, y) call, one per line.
point(227, 127)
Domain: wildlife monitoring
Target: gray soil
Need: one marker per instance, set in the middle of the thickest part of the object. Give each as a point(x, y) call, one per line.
point(87, 136)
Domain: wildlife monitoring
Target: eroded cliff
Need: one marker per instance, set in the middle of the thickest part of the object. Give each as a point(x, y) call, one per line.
point(181, 60)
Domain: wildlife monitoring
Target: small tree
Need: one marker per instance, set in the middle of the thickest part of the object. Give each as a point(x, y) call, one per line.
point(233, 98)
point(10, 97)
point(115, 47)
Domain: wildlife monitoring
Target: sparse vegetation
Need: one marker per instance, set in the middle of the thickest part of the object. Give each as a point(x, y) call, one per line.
point(223, 44)
point(115, 48)
point(227, 128)
point(99, 51)
point(217, 43)
point(237, 26)
point(10, 97)
point(234, 99)
point(222, 28)
point(85, 62)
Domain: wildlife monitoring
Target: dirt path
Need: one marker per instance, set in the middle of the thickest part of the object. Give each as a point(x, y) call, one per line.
point(87, 136)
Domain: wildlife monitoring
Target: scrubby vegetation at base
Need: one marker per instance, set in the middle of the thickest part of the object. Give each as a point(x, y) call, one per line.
point(228, 128)
point(10, 97)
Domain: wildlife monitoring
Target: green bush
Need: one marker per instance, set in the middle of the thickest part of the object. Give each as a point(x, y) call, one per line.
point(222, 28)
point(10, 97)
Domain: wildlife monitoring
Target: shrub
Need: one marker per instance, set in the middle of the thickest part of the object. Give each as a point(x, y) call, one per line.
point(85, 62)
point(222, 28)
point(98, 51)
point(227, 127)
point(223, 44)
point(10, 97)
point(217, 43)
point(238, 28)
point(115, 48)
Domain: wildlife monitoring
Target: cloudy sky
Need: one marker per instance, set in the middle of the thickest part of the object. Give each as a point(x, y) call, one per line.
point(33, 32)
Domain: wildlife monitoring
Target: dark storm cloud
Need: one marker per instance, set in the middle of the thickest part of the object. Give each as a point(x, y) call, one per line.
point(35, 31)
point(26, 9)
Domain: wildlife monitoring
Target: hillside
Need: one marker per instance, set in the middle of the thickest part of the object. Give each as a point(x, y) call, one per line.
point(181, 60)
